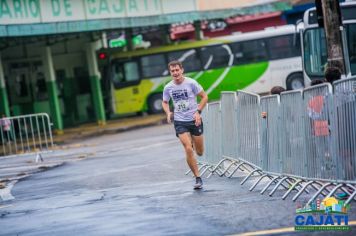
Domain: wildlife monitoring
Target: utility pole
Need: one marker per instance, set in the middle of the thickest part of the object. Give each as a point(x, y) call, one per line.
point(128, 37)
point(333, 28)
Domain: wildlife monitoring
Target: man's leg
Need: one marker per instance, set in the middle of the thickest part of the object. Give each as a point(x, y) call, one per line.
point(198, 144)
point(187, 144)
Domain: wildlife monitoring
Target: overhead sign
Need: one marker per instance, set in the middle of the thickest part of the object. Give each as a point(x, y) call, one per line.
point(46, 11)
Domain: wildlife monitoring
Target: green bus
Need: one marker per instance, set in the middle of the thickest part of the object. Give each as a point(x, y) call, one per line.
point(255, 62)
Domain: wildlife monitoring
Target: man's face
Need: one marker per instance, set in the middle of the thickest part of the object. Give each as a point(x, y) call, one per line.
point(176, 72)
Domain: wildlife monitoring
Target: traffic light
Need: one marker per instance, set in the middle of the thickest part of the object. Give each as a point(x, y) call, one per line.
point(102, 56)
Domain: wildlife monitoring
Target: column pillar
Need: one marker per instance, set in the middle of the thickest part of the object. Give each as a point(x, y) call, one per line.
point(52, 90)
point(166, 34)
point(198, 32)
point(4, 102)
point(94, 77)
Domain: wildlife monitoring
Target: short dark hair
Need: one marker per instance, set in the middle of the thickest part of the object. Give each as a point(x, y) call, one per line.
point(317, 81)
point(332, 74)
point(175, 63)
point(277, 90)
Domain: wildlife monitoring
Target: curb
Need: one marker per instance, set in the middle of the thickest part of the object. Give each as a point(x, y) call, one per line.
point(111, 131)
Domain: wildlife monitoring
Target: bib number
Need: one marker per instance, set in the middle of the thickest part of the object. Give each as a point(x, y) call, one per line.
point(182, 105)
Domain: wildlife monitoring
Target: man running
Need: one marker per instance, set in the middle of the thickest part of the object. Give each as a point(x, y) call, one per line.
point(187, 120)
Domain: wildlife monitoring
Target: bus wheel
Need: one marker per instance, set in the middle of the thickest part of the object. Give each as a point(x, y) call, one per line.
point(295, 81)
point(155, 103)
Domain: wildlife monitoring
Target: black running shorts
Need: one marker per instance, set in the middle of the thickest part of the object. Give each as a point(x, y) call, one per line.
point(188, 126)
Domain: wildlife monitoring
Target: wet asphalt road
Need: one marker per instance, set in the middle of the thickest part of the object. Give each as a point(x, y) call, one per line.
point(133, 183)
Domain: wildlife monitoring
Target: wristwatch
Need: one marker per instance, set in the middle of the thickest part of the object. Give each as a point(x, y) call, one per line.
point(199, 111)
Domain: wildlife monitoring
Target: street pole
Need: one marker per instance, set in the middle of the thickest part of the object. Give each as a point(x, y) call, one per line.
point(128, 37)
point(333, 28)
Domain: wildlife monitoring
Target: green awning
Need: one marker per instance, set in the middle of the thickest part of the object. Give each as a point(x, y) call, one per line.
point(129, 22)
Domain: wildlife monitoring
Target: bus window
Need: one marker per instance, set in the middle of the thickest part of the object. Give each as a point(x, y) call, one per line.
point(189, 59)
point(117, 74)
point(125, 72)
point(153, 66)
point(351, 39)
point(215, 56)
point(283, 47)
point(131, 71)
point(250, 51)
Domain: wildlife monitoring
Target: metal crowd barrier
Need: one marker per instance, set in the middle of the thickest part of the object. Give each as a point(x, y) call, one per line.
point(293, 145)
point(25, 134)
point(248, 128)
point(213, 131)
point(228, 118)
point(307, 140)
point(345, 126)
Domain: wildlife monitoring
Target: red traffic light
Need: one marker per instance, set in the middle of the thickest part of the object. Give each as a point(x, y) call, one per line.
point(102, 56)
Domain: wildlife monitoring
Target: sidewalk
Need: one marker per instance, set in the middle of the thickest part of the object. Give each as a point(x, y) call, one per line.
point(111, 127)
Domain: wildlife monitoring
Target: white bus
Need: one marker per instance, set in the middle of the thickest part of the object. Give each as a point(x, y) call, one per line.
point(314, 43)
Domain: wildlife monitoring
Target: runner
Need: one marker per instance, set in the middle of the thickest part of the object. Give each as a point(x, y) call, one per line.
point(187, 120)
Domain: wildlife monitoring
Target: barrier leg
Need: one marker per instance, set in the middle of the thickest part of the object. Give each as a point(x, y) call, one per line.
point(227, 168)
point(318, 192)
point(334, 190)
point(302, 190)
point(257, 181)
point(237, 168)
point(201, 167)
point(248, 176)
point(350, 198)
point(346, 190)
point(218, 171)
point(317, 189)
point(217, 166)
point(291, 188)
point(205, 170)
point(277, 185)
point(269, 184)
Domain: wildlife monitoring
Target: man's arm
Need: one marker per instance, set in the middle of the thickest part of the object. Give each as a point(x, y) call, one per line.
point(166, 109)
point(203, 101)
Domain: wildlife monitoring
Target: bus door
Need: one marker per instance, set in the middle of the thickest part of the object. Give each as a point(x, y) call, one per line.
point(125, 76)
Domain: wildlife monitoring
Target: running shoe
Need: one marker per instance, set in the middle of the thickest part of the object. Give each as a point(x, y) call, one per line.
point(198, 183)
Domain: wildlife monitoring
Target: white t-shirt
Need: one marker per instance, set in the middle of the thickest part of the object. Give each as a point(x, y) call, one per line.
point(184, 98)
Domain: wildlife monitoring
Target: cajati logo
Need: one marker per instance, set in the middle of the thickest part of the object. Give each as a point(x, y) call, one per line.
point(328, 214)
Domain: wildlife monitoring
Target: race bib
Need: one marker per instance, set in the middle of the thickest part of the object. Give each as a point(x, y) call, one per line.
point(182, 106)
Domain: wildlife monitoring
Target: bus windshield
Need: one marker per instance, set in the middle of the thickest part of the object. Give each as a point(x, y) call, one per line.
point(351, 39)
point(315, 53)
point(315, 50)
